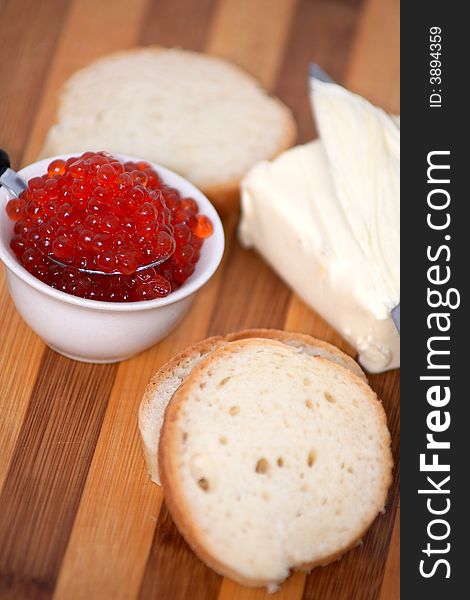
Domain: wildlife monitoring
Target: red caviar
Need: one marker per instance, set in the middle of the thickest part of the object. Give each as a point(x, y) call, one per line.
point(94, 212)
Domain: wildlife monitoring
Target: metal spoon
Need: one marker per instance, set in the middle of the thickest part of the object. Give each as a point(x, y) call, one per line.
point(9, 178)
point(16, 185)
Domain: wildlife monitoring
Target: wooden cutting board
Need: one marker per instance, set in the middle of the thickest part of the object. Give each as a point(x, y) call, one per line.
point(79, 517)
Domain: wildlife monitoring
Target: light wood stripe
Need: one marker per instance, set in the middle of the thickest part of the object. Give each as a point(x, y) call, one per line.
point(118, 488)
point(21, 74)
point(119, 505)
point(322, 32)
point(391, 582)
point(290, 590)
point(253, 35)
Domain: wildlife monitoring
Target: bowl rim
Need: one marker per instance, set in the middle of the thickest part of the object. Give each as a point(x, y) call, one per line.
point(190, 286)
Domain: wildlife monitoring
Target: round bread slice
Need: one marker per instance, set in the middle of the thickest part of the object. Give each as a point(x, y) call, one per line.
point(271, 460)
point(198, 115)
point(168, 378)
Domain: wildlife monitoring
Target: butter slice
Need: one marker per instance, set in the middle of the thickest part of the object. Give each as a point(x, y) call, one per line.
point(362, 143)
point(292, 215)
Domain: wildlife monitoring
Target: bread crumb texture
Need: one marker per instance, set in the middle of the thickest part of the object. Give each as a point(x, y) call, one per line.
point(281, 467)
point(170, 376)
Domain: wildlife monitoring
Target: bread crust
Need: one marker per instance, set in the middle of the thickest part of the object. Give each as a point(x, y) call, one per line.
point(175, 497)
point(226, 196)
point(307, 340)
point(164, 372)
point(203, 347)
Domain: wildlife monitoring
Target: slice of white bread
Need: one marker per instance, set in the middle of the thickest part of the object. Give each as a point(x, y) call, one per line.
point(272, 460)
point(169, 377)
point(199, 115)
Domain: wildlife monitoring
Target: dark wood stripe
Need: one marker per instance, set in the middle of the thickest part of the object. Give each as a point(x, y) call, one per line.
point(24, 63)
point(196, 582)
point(322, 32)
point(247, 277)
point(47, 473)
point(182, 24)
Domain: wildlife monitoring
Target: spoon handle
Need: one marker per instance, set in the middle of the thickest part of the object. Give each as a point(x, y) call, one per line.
point(4, 161)
point(9, 178)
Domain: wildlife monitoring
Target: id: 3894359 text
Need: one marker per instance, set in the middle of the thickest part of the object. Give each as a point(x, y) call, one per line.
point(435, 67)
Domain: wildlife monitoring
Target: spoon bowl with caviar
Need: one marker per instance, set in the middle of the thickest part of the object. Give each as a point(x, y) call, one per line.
point(95, 234)
point(17, 187)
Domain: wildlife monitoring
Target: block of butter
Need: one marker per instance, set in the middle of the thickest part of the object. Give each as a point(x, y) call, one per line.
point(325, 216)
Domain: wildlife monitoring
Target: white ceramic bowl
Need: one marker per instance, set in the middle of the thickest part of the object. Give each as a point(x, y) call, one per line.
point(103, 332)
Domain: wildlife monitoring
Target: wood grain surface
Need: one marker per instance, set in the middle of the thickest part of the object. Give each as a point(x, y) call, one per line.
point(79, 516)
